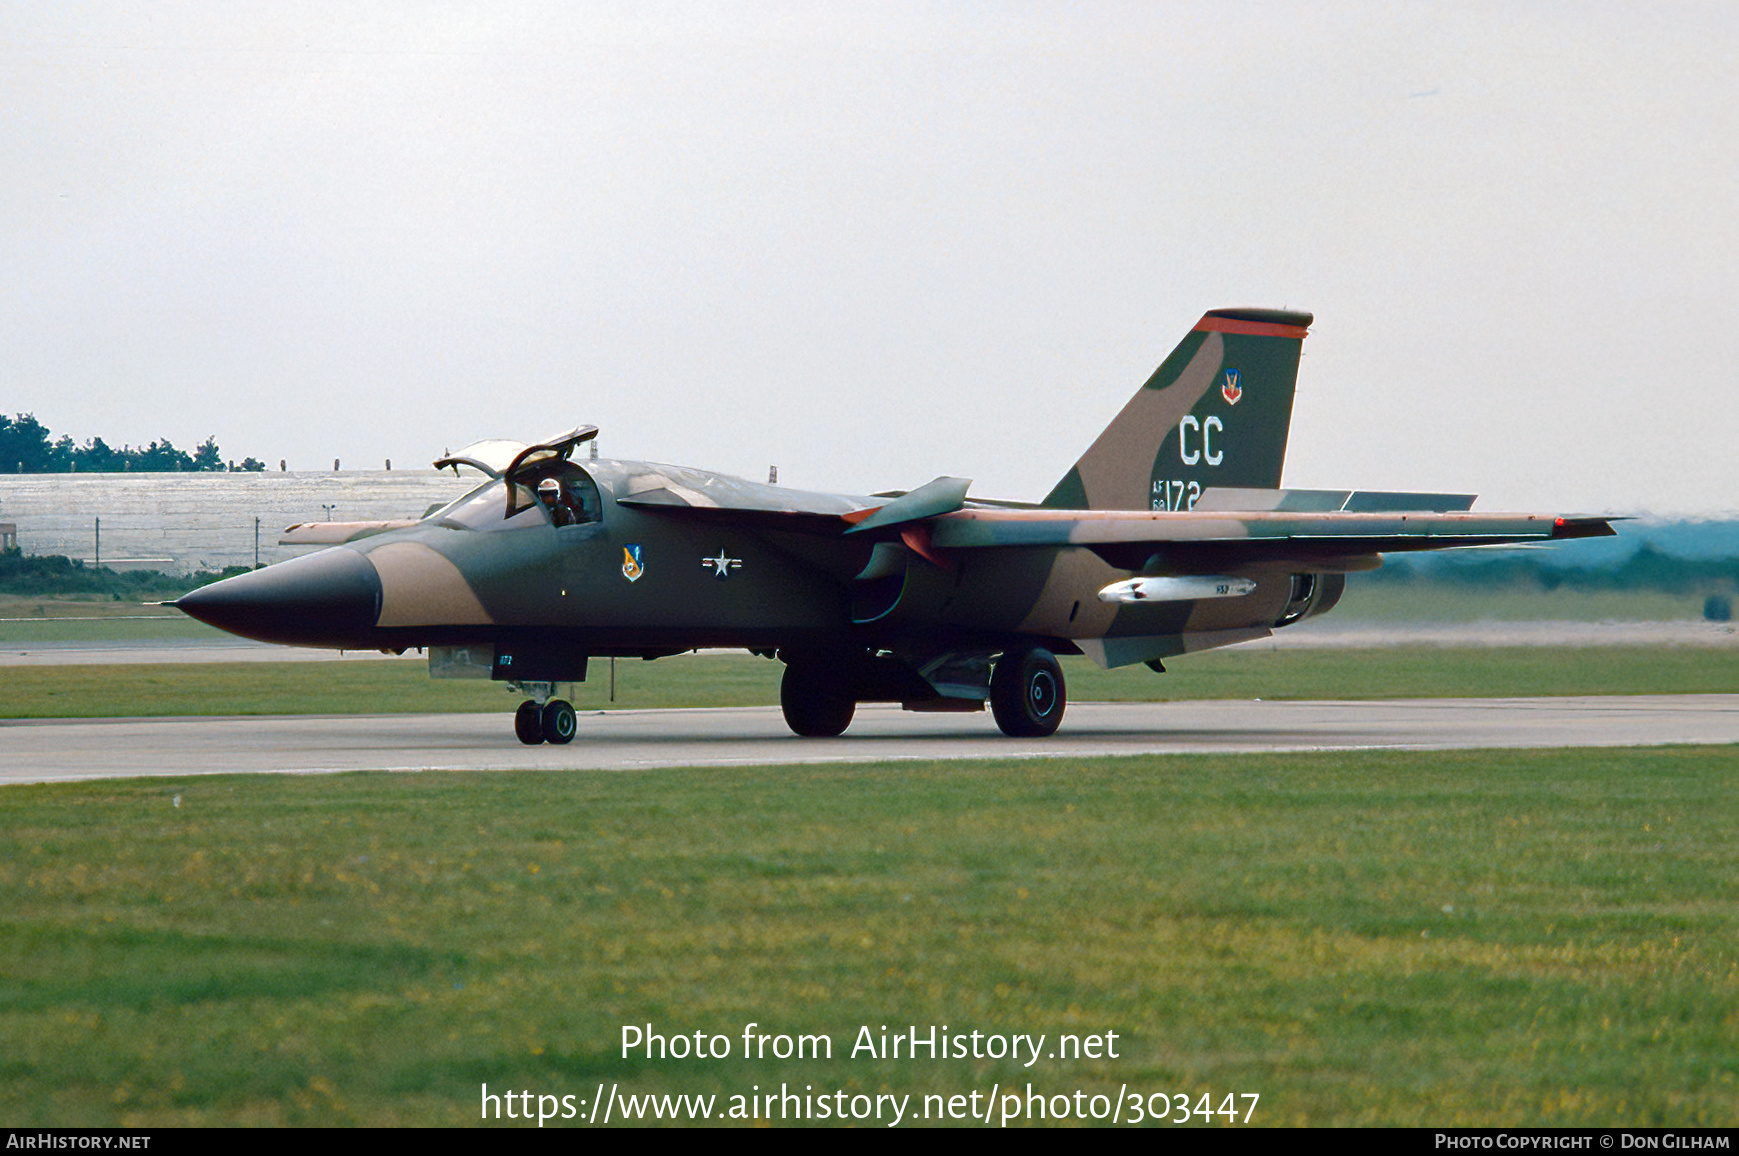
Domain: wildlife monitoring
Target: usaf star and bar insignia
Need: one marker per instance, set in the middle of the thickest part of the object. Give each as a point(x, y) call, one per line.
point(722, 565)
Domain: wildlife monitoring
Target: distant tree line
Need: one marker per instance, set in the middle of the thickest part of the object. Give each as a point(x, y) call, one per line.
point(1646, 569)
point(33, 574)
point(27, 447)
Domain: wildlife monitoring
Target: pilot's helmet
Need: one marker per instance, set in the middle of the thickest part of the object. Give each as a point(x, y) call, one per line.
point(549, 488)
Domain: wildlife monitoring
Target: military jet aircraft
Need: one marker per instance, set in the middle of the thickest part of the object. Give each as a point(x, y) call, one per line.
point(1169, 535)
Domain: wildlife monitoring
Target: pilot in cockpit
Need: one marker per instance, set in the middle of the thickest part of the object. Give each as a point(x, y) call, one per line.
point(549, 492)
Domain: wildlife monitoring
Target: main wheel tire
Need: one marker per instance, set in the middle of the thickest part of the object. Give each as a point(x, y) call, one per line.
point(528, 723)
point(559, 722)
point(816, 700)
point(1027, 694)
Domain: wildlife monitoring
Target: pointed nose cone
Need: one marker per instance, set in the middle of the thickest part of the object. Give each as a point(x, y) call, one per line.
point(330, 598)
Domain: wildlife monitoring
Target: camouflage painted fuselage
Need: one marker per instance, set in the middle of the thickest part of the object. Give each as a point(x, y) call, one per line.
point(649, 578)
point(1169, 535)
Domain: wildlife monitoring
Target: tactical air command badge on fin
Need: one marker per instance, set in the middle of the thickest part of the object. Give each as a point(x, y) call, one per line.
point(1231, 390)
point(631, 567)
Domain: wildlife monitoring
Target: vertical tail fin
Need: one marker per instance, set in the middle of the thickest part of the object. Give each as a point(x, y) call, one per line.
point(1216, 413)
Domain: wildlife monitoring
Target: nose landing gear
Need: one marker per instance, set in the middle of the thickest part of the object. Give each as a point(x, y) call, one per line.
point(543, 719)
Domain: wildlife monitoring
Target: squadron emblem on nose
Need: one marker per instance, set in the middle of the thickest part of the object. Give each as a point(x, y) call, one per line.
point(631, 567)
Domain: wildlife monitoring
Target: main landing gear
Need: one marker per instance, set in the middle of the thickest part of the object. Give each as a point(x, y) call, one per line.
point(1027, 694)
point(816, 697)
point(549, 721)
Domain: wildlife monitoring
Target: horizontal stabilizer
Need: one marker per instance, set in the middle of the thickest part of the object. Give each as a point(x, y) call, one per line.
point(1380, 502)
point(1233, 499)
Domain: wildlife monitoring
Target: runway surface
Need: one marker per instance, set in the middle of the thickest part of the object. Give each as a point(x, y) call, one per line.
point(52, 750)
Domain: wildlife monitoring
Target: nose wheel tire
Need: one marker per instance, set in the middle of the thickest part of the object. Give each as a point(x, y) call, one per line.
point(528, 723)
point(1027, 694)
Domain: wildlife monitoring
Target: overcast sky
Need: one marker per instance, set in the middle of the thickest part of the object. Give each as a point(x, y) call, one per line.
point(881, 242)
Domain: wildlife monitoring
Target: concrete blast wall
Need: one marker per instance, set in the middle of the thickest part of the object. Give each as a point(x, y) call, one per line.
point(179, 523)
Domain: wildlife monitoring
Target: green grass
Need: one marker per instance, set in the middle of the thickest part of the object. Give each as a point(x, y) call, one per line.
point(1466, 938)
point(390, 687)
point(95, 618)
point(52, 606)
point(145, 628)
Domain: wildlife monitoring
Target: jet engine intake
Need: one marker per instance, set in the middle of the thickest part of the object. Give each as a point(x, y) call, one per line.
point(1312, 594)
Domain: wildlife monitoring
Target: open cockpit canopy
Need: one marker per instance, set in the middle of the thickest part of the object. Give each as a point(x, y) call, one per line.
point(497, 456)
point(509, 499)
point(546, 459)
